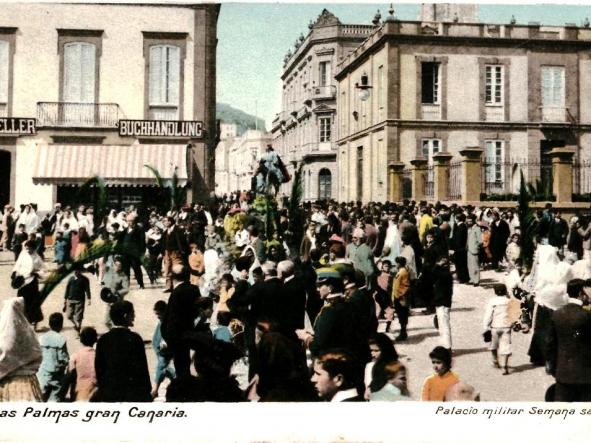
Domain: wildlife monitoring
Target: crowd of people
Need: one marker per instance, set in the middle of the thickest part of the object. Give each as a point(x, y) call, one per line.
point(299, 315)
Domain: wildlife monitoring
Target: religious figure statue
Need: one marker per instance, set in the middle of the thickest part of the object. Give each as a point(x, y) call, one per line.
point(270, 173)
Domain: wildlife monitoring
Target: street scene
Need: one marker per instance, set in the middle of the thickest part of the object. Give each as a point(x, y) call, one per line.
point(394, 207)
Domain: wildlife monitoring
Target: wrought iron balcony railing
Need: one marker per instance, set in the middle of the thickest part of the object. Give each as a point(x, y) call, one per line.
point(87, 115)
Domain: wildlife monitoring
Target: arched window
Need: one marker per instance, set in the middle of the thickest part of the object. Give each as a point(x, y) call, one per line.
point(324, 184)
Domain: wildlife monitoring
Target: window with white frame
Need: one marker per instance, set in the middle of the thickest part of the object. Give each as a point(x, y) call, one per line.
point(4, 71)
point(494, 79)
point(79, 72)
point(494, 160)
point(430, 83)
point(553, 86)
point(324, 127)
point(164, 81)
point(430, 146)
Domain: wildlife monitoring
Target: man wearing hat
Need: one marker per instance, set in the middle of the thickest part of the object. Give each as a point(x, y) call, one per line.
point(333, 327)
point(132, 246)
point(362, 257)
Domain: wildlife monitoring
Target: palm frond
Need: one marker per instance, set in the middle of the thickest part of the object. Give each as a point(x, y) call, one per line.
point(526, 222)
point(96, 250)
point(159, 181)
point(296, 214)
point(97, 189)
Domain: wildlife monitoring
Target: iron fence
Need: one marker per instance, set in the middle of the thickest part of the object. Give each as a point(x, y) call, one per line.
point(429, 182)
point(455, 180)
point(78, 114)
point(503, 177)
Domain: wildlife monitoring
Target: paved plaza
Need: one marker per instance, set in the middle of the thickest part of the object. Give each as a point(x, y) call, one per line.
point(472, 360)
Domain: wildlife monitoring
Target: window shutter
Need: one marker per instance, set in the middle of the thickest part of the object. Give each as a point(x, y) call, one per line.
point(87, 69)
point(72, 72)
point(174, 72)
point(155, 75)
point(3, 72)
point(546, 86)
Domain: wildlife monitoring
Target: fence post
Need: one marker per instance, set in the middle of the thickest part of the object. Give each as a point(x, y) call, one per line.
point(419, 178)
point(395, 171)
point(471, 173)
point(441, 176)
point(562, 173)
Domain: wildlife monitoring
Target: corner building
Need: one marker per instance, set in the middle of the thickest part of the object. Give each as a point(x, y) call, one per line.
point(414, 89)
point(107, 88)
point(304, 132)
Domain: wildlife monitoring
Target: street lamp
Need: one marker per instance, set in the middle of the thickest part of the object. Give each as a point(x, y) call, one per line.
point(364, 88)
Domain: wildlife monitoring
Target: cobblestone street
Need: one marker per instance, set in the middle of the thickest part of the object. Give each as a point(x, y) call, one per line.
point(471, 358)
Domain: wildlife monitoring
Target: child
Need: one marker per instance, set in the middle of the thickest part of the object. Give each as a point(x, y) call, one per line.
point(226, 292)
point(513, 252)
point(399, 297)
point(55, 358)
point(61, 248)
point(435, 386)
point(383, 289)
point(163, 358)
point(496, 320)
point(196, 264)
point(83, 363)
point(222, 332)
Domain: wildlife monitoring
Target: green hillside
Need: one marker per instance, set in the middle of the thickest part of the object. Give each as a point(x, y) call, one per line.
point(244, 121)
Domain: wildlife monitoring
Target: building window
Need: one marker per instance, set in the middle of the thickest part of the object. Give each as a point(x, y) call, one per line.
point(324, 125)
point(430, 83)
point(494, 165)
point(323, 73)
point(79, 82)
point(431, 146)
point(4, 73)
point(494, 84)
point(164, 82)
point(381, 91)
point(324, 184)
point(553, 86)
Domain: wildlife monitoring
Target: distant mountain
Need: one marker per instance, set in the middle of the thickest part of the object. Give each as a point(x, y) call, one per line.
point(244, 121)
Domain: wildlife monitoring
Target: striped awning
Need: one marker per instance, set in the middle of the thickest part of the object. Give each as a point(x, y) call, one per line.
point(116, 164)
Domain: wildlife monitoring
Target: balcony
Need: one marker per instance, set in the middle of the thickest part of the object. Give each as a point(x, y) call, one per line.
point(78, 115)
point(327, 92)
point(556, 114)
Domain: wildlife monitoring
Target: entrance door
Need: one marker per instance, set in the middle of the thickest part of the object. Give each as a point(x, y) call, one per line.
point(324, 184)
point(5, 166)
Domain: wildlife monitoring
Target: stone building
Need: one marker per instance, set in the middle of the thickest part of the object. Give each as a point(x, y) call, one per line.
point(415, 94)
point(103, 89)
point(304, 132)
point(237, 159)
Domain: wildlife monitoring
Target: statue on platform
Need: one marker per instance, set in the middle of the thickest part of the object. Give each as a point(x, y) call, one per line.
point(270, 174)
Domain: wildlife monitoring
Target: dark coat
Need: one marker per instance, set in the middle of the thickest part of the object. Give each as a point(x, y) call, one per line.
point(121, 367)
point(557, 232)
point(267, 301)
point(180, 313)
point(499, 234)
point(459, 238)
point(444, 286)
point(365, 322)
point(333, 328)
point(293, 304)
point(569, 345)
point(202, 389)
point(175, 241)
point(133, 242)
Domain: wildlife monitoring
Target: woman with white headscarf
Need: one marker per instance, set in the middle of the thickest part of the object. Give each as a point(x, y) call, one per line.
point(20, 354)
point(550, 294)
point(392, 242)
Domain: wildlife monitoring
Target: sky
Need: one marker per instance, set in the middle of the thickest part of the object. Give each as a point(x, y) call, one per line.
point(253, 39)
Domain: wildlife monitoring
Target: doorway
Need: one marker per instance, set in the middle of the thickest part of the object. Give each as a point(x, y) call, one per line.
point(5, 168)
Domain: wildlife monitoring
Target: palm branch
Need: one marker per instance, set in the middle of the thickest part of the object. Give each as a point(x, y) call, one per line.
point(96, 187)
point(95, 251)
point(526, 221)
point(296, 216)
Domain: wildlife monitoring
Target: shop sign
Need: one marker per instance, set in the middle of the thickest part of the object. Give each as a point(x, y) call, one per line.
point(18, 126)
point(161, 128)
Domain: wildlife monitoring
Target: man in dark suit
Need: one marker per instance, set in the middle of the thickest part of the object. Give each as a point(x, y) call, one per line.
point(267, 303)
point(459, 240)
point(557, 231)
point(335, 377)
point(120, 362)
point(132, 246)
point(499, 234)
point(293, 300)
point(179, 319)
point(175, 247)
point(569, 345)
